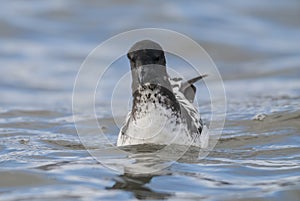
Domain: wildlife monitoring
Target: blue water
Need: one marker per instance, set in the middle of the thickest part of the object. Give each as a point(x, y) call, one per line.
point(255, 46)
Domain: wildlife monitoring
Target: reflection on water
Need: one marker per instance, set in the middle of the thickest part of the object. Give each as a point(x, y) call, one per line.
point(137, 185)
point(254, 45)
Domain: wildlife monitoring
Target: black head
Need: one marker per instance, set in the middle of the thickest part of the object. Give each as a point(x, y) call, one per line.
point(148, 64)
point(146, 52)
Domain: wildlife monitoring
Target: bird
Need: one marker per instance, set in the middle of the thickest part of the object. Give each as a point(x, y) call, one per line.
point(162, 110)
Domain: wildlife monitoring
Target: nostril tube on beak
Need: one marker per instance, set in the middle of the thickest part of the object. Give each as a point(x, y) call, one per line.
point(141, 75)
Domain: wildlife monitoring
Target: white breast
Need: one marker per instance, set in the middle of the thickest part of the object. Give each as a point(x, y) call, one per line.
point(158, 125)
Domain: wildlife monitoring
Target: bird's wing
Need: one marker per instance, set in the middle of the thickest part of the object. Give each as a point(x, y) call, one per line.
point(187, 88)
point(185, 94)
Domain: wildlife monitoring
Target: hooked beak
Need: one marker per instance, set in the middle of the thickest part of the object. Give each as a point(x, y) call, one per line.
point(141, 75)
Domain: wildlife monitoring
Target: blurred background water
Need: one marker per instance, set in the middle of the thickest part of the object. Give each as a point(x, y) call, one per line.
point(255, 46)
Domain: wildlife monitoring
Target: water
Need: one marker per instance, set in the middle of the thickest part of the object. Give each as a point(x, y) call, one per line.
point(255, 46)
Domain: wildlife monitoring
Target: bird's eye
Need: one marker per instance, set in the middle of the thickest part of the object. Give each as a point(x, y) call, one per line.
point(131, 57)
point(156, 58)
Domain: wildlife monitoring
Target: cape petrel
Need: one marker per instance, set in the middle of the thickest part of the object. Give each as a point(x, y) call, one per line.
point(162, 110)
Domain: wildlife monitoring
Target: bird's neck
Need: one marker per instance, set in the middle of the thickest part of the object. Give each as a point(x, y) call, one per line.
point(156, 95)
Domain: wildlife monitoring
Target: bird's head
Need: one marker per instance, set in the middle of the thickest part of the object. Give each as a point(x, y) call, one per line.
point(148, 64)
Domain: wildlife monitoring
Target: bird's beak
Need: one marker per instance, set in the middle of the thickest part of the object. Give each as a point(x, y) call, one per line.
point(141, 74)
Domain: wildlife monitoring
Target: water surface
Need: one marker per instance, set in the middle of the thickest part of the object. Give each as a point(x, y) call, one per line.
point(255, 46)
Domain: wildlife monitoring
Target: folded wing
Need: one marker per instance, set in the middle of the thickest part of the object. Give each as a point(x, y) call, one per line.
point(187, 88)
